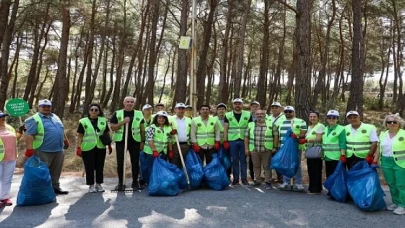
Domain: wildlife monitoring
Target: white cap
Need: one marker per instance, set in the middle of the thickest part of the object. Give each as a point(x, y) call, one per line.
point(352, 113)
point(180, 105)
point(275, 104)
point(162, 113)
point(289, 108)
point(189, 106)
point(332, 113)
point(147, 106)
point(255, 102)
point(45, 102)
point(237, 100)
point(221, 105)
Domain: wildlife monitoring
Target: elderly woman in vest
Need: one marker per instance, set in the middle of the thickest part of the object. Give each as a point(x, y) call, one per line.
point(391, 150)
point(158, 139)
point(314, 136)
point(91, 148)
point(8, 156)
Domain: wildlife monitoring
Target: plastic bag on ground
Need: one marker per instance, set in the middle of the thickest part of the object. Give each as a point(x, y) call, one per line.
point(144, 166)
point(36, 185)
point(194, 169)
point(336, 183)
point(163, 181)
point(223, 158)
point(180, 174)
point(364, 187)
point(215, 176)
point(287, 159)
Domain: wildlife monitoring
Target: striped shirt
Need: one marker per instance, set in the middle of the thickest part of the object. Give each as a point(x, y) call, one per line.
point(286, 125)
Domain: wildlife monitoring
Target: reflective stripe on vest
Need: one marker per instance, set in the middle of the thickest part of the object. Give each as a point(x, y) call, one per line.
point(91, 137)
point(236, 130)
point(135, 127)
point(360, 143)
point(160, 139)
point(205, 134)
point(330, 143)
point(398, 147)
point(268, 135)
point(311, 135)
point(1, 150)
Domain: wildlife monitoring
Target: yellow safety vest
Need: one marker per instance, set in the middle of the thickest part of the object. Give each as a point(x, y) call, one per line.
point(135, 127)
point(160, 139)
point(359, 144)
point(398, 147)
point(91, 137)
point(205, 134)
point(268, 135)
point(173, 122)
point(330, 143)
point(236, 130)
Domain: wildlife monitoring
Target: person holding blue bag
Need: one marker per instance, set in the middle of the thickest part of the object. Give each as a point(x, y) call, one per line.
point(147, 110)
point(8, 158)
point(391, 151)
point(220, 116)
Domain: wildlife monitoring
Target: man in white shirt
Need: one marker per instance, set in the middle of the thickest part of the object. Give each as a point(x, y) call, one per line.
point(182, 127)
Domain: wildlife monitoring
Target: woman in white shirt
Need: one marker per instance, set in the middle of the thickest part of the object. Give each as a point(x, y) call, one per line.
point(391, 149)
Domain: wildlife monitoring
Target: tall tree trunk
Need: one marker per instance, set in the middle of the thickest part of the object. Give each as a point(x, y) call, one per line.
point(223, 89)
point(264, 58)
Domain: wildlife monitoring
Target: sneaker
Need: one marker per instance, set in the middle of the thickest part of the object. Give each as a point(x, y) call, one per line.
point(256, 183)
point(99, 188)
point(244, 182)
point(92, 189)
point(284, 185)
point(120, 187)
point(399, 211)
point(136, 186)
point(299, 187)
point(269, 186)
point(392, 207)
point(7, 202)
point(234, 183)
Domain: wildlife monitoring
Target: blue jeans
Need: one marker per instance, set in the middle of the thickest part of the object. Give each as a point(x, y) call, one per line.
point(238, 156)
point(298, 175)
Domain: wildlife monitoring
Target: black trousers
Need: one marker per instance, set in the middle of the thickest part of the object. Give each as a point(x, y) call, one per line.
point(251, 171)
point(315, 175)
point(133, 149)
point(330, 167)
point(94, 161)
point(207, 154)
point(352, 161)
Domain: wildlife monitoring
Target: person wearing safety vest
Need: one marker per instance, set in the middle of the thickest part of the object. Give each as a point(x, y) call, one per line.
point(181, 126)
point(46, 138)
point(135, 140)
point(254, 106)
point(205, 134)
point(299, 129)
point(261, 140)
point(314, 166)
point(8, 158)
point(91, 148)
point(147, 111)
point(189, 111)
point(361, 140)
point(277, 116)
point(236, 123)
point(220, 116)
point(391, 153)
point(158, 138)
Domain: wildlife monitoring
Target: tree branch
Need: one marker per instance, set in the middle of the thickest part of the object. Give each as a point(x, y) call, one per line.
point(282, 2)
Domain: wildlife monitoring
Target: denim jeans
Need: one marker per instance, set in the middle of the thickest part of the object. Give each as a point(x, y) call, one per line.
point(238, 157)
point(298, 175)
point(6, 175)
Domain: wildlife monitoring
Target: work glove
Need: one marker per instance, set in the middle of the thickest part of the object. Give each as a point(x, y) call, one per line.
point(65, 144)
point(79, 151)
point(109, 149)
point(217, 146)
point(196, 148)
point(173, 132)
point(155, 154)
point(343, 159)
point(29, 152)
point(302, 141)
point(170, 154)
point(21, 129)
point(370, 159)
point(294, 136)
point(226, 145)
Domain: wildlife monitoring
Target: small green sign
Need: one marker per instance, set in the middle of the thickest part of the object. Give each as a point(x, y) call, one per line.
point(185, 42)
point(17, 107)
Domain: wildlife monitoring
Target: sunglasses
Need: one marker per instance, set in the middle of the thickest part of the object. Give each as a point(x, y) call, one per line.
point(45, 106)
point(331, 117)
point(94, 110)
point(288, 111)
point(392, 122)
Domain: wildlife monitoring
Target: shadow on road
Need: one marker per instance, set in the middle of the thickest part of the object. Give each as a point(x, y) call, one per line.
point(37, 216)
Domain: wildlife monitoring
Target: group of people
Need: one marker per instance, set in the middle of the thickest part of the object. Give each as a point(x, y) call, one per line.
point(241, 134)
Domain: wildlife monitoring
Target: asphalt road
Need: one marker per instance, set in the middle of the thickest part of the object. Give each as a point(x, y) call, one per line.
point(237, 207)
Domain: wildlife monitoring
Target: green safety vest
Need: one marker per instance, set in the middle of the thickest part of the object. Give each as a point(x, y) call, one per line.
point(173, 122)
point(330, 143)
point(39, 137)
point(268, 135)
point(311, 135)
point(160, 139)
point(91, 137)
point(296, 129)
point(205, 134)
point(136, 130)
point(278, 120)
point(398, 147)
point(236, 130)
point(359, 144)
point(221, 128)
point(2, 151)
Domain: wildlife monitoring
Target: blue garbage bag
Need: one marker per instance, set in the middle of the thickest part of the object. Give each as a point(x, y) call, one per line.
point(336, 183)
point(194, 169)
point(180, 174)
point(223, 158)
point(163, 181)
point(36, 185)
point(286, 161)
point(364, 186)
point(144, 166)
point(215, 176)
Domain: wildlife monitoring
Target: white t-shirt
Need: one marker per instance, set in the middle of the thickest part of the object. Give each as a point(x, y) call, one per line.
point(320, 130)
point(386, 146)
point(181, 129)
